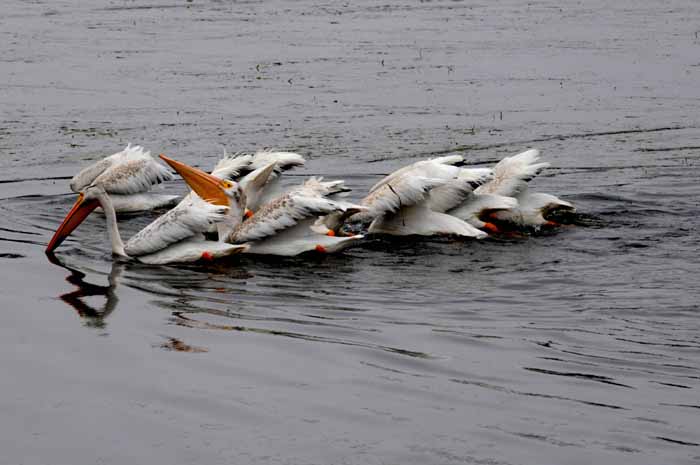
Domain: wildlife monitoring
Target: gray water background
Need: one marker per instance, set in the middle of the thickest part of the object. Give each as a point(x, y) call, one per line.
point(578, 346)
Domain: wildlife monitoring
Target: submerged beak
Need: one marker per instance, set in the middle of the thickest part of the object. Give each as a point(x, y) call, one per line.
point(75, 216)
point(208, 187)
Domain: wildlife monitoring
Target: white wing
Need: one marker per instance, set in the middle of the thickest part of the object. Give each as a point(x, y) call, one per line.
point(420, 220)
point(455, 191)
point(316, 186)
point(513, 173)
point(403, 191)
point(300, 238)
point(285, 160)
point(255, 183)
point(90, 174)
point(232, 166)
point(282, 213)
point(191, 216)
point(433, 168)
point(132, 171)
point(85, 176)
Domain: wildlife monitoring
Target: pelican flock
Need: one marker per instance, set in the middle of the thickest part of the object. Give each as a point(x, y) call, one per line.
point(241, 206)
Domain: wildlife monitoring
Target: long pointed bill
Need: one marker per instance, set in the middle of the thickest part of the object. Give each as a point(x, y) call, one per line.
point(75, 216)
point(208, 187)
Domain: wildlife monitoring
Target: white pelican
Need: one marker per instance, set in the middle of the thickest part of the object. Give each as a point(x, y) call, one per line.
point(511, 177)
point(176, 236)
point(413, 200)
point(124, 163)
point(284, 226)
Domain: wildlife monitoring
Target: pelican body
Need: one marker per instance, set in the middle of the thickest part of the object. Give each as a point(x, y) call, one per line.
point(132, 193)
point(285, 226)
point(175, 236)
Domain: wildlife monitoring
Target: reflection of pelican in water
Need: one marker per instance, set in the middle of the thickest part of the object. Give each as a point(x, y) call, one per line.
point(92, 317)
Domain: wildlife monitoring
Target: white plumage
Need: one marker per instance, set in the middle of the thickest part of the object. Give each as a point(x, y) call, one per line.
point(283, 213)
point(413, 199)
point(512, 174)
point(133, 171)
point(257, 183)
point(456, 190)
point(421, 220)
point(136, 203)
point(130, 171)
point(425, 198)
point(532, 208)
point(190, 217)
point(439, 168)
point(299, 238)
point(191, 250)
point(477, 206)
point(403, 191)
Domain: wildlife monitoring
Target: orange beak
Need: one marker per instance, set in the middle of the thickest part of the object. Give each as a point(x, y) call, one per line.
point(75, 216)
point(208, 187)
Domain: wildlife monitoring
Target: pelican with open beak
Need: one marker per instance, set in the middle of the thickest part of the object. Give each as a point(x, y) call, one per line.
point(285, 226)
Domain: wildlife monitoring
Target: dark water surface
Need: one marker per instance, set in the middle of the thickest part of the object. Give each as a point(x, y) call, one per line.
point(579, 346)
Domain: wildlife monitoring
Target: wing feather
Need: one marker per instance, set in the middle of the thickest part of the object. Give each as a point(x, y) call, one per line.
point(455, 191)
point(284, 212)
point(132, 171)
point(191, 216)
point(403, 191)
point(285, 160)
point(433, 168)
point(513, 173)
point(232, 167)
point(87, 175)
point(256, 182)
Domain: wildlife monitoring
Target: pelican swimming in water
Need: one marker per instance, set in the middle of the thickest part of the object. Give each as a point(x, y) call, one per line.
point(284, 226)
point(245, 168)
point(512, 175)
point(176, 236)
point(133, 194)
point(414, 200)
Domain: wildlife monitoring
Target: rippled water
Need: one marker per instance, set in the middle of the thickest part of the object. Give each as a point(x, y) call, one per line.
point(575, 346)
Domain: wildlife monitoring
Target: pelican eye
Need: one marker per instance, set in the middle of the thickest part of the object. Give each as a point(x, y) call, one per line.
point(227, 184)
